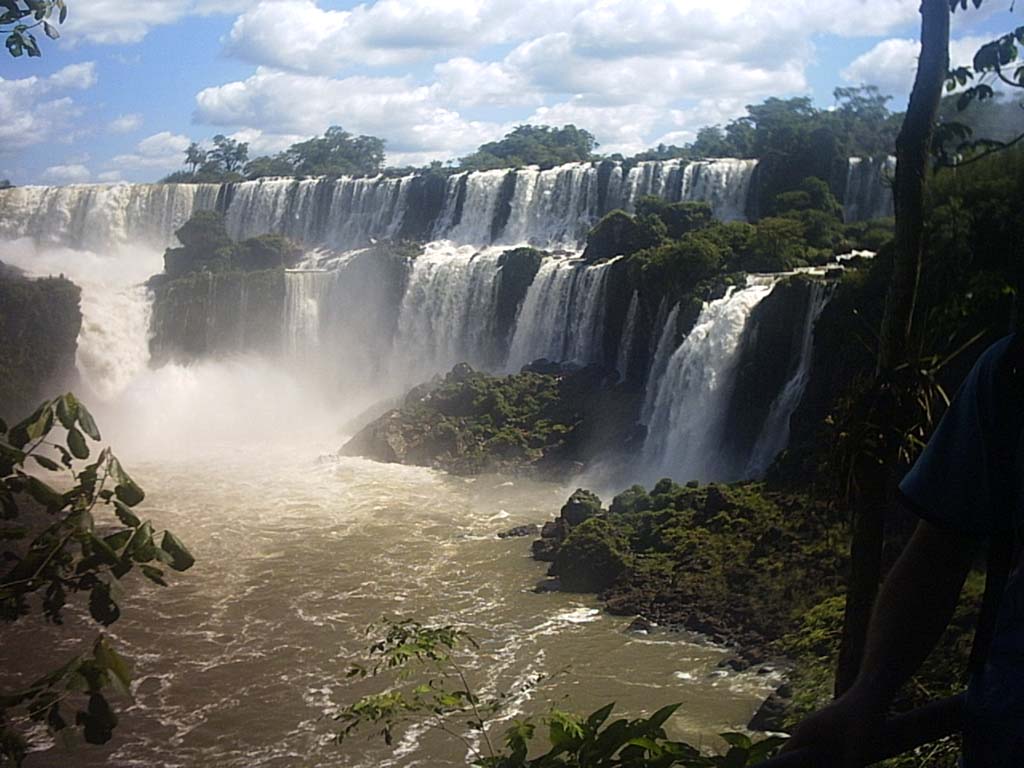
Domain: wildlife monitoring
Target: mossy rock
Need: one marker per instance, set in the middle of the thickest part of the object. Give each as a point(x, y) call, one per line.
point(592, 558)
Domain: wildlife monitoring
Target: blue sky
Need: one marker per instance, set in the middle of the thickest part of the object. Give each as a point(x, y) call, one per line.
point(120, 95)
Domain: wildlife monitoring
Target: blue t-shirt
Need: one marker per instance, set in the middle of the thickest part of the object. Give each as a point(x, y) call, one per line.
point(966, 480)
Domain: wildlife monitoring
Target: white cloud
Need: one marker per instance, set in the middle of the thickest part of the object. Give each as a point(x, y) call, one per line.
point(126, 123)
point(109, 177)
point(118, 23)
point(33, 111)
point(79, 76)
point(465, 82)
point(891, 64)
point(292, 105)
point(74, 173)
point(162, 151)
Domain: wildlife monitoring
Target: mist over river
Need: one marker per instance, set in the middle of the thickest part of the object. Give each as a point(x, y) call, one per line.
point(237, 662)
point(241, 659)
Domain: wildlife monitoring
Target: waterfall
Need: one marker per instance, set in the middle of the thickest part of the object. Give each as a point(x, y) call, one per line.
point(113, 343)
point(448, 311)
point(868, 193)
point(467, 219)
point(693, 393)
point(96, 216)
point(774, 435)
point(553, 207)
point(626, 340)
point(659, 361)
point(550, 208)
point(660, 178)
point(340, 213)
point(723, 183)
point(562, 317)
point(305, 294)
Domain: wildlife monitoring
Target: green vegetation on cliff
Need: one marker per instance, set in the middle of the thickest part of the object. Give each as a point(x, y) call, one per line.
point(39, 324)
point(470, 422)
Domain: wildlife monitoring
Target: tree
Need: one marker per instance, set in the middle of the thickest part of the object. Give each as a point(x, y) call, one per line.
point(337, 153)
point(195, 156)
point(228, 154)
point(58, 544)
point(20, 17)
point(540, 145)
point(876, 467)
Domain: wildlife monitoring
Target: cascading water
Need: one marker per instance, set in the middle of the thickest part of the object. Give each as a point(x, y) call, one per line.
point(236, 453)
point(659, 362)
point(306, 292)
point(113, 344)
point(562, 317)
point(868, 193)
point(553, 207)
point(774, 435)
point(626, 340)
point(660, 178)
point(340, 213)
point(447, 311)
point(98, 217)
point(478, 207)
point(693, 393)
point(724, 183)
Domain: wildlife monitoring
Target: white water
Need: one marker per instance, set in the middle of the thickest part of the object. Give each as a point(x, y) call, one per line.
point(241, 659)
point(774, 435)
point(447, 313)
point(101, 217)
point(562, 316)
point(306, 291)
point(113, 345)
point(868, 192)
point(626, 340)
point(724, 183)
point(685, 427)
point(659, 362)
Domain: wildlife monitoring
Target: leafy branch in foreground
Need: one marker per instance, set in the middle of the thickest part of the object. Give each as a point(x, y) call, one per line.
point(55, 544)
point(19, 17)
point(428, 688)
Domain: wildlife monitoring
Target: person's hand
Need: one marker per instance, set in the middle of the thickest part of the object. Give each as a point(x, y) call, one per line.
point(844, 732)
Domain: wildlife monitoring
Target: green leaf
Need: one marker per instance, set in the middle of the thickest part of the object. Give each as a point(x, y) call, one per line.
point(112, 661)
point(76, 444)
point(117, 541)
point(182, 559)
point(597, 719)
point(44, 494)
point(129, 493)
point(101, 607)
point(739, 740)
point(658, 718)
point(153, 574)
point(87, 423)
point(39, 424)
point(98, 721)
point(125, 514)
point(50, 30)
point(67, 410)
point(47, 463)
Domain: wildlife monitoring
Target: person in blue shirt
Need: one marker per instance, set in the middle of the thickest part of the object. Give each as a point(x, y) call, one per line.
point(965, 487)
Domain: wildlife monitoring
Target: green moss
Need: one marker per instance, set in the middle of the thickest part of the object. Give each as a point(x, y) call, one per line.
point(592, 558)
point(39, 325)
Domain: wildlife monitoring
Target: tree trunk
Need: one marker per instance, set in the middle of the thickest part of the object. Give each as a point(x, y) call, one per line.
point(876, 473)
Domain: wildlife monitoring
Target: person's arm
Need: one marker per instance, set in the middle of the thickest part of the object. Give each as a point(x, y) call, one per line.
point(914, 606)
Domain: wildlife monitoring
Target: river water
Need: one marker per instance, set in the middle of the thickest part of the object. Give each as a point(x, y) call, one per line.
point(240, 662)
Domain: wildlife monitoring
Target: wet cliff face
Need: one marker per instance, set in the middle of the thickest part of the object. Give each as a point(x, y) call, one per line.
point(769, 355)
point(39, 324)
point(210, 313)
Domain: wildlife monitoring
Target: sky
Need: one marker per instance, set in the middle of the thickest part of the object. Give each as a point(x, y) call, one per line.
point(130, 84)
